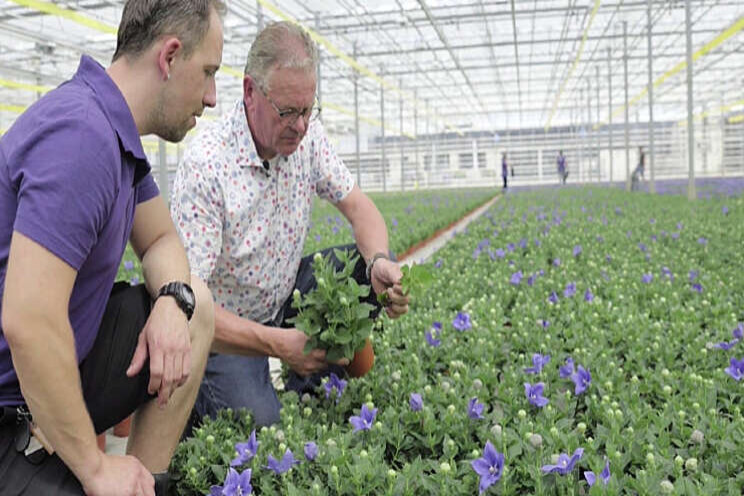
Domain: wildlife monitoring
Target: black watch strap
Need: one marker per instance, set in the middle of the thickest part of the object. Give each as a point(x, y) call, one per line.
point(183, 294)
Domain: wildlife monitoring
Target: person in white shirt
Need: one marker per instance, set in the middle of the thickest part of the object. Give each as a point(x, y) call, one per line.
point(241, 201)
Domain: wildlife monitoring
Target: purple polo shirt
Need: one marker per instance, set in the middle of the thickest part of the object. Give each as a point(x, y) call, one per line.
point(72, 170)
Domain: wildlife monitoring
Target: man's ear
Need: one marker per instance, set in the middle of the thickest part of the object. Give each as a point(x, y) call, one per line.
point(169, 51)
point(249, 90)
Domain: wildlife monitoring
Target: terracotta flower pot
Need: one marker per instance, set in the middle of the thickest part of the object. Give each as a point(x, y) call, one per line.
point(101, 439)
point(363, 361)
point(122, 428)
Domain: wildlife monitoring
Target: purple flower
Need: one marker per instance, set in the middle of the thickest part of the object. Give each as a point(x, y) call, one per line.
point(582, 378)
point(588, 296)
point(523, 243)
point(531, 280)
point(461, 322)
point(675, 235)
point(736, 369)
point(134, 281)
point(553, 298)
point(738, 333)
point(577, 250)
point(318, 238)
point(570, 290)
point(415, 402)
point(510, 247)
point(724, 210)
point(475, 409)
point(279, 467)
point(642, 247)
point(311, 450)
point(535, 394)
point(725, 346)
point(567, 370)
point(332, 383)
point(128, 265)
point(489, 467)
point(365, 419)
point(538, 362)
point(608, 258)
point(647, 278)
point(516, 278)
point(500, 253)
point(438, 264)
point(246, 451)
point(235, 484)
point(565, 464)
point(605, 475)
point(545, 324)
point(703, 241)
point(680, 226)
point(432, 340)
point(556, 262)
point(697, 287)
point(394, 222)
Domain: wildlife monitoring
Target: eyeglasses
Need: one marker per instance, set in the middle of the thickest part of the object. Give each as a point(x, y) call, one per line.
point(289, 116)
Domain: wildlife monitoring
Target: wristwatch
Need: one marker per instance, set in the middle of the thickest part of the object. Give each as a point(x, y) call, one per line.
point(182, 293)
point(371, 263)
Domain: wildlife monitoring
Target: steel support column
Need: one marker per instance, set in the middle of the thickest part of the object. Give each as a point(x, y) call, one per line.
point(650, 59)
point(691, 194)
point(627, 107)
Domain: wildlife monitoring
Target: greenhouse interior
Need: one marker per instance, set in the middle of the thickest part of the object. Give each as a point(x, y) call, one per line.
point(568, 177)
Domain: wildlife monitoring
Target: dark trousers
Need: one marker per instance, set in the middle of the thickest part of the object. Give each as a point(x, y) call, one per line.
point(504, 181)
point(235, 381)
point(110, 396)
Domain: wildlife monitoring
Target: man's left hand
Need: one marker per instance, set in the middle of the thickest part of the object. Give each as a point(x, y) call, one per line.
point(167, 341)
point(386, 277)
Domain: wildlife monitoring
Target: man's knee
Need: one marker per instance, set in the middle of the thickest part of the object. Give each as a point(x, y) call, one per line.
point(202, 322)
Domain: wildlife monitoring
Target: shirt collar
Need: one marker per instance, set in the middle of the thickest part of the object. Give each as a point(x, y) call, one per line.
point(248, 156)
point(115, 106)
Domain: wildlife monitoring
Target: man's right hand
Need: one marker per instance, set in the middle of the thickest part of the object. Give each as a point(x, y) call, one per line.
point(119, 476)
point(291, 346)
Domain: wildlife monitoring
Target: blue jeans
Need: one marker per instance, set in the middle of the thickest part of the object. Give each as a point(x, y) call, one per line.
point(237, 381)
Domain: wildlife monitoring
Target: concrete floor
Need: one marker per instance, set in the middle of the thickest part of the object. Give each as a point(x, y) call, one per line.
point(118, 445)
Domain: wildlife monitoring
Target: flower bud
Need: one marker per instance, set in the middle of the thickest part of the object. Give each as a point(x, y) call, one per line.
point(477, 384)
point(282, 447)
point(581, 427)
point(210, 439)
point(697, 436)
point(496, 430)
point(679, 461)
point(666, 487)
point(391, 473)
point(427, 389)
point(363, 454)
point(650, 458)
point(521, 414)
point(536, 440)
point(691, 464)
point(317, 257)
point(445, 467)
point(395, 376)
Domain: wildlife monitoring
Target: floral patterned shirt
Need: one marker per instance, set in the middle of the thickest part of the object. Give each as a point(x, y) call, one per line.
point(244, 227)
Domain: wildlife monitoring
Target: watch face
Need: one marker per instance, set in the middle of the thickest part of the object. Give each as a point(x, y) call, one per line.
point(187, 295)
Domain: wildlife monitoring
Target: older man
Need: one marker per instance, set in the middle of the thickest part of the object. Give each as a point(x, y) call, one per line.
point(241, 201)
point(78, 353)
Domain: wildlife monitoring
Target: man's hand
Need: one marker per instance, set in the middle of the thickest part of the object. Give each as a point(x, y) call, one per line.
point(119, 476)
point(386, 277)
point(291, 346)
point(166, 339)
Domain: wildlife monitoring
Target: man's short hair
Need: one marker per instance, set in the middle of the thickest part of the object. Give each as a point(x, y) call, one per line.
point(280, 45)
point(143, 22)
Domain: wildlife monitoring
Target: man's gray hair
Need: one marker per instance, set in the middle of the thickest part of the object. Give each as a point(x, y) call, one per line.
point(280, 45)
point(143, 22)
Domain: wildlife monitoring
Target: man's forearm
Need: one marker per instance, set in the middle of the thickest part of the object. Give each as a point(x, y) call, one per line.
point(44, 359)
point(165, 261)
point(239, 336)
point(369, 228)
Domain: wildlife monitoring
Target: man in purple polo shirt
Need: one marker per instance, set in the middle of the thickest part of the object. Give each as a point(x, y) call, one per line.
point(78, 353)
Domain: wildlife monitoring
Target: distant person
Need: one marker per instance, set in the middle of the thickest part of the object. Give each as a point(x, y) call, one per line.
point(638, 173)
point(562, 170)
point(504, 169)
